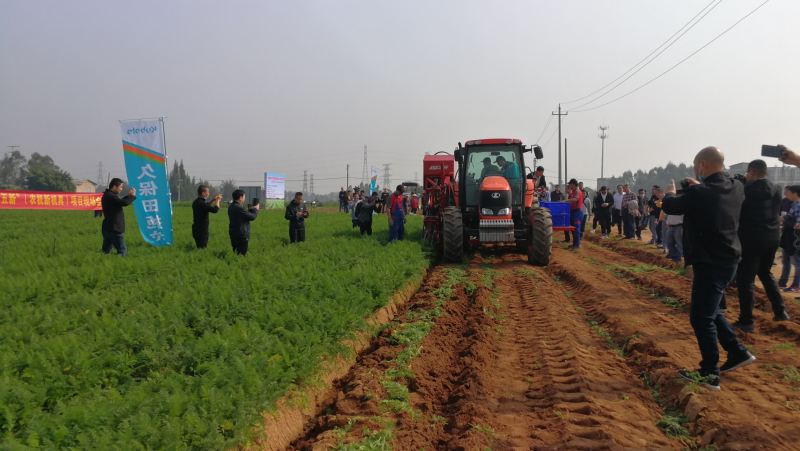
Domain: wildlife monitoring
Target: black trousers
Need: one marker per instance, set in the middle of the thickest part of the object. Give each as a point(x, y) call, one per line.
point(200, 235)
point(605, 222)
point(710, 326)
point(297, 235)
point(616, 219)
point(239, 244)
point(366, 227)
point(638, 230)
point(757, 263)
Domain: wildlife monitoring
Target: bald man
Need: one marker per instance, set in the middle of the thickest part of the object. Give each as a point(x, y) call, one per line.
point(711, 206)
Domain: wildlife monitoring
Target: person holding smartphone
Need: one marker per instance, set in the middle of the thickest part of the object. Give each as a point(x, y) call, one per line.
point(201, 207)
point(296, 214)
point(239, 228)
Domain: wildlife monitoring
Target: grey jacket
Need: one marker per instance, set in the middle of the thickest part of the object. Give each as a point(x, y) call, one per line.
point(367, 207)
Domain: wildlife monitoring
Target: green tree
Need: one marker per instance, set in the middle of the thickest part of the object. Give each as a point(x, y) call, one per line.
point(42, 162)
point(227, 188)
point(46, 179)
point(12, 170)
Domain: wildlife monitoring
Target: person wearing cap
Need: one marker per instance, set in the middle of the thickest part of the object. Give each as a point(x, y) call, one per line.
point(414, 204)
point(364, 211)
point(575, 199)
point(396, 215)
point(488, 169)
point(508, 169)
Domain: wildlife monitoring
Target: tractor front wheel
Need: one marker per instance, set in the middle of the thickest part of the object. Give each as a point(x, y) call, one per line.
point(453, 248)
point(540, 239)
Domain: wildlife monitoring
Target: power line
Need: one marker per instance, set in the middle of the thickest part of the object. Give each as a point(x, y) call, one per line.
point(679, 63)
point(648, 56)
point(653, 59)
point(550, 119)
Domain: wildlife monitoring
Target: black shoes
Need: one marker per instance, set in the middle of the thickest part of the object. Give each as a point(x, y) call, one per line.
point(737, 362)
point(780, 316)
point(749, 328)
point(698, 377)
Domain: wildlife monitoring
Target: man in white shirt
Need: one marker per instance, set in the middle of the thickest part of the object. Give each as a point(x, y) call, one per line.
point(616, 216)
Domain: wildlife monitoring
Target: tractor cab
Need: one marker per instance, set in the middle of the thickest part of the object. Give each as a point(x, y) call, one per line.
point(487, 199)
point(493, 177)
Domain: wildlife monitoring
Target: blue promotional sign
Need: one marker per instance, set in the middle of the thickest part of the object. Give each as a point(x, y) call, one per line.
point(145, 163)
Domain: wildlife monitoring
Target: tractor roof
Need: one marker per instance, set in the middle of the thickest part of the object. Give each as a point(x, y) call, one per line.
point(494, 141)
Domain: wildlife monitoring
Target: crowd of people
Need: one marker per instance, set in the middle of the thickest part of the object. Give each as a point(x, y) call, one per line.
point(728, 228)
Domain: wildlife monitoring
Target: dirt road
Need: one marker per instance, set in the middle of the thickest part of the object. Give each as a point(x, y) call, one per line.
point(582, 355)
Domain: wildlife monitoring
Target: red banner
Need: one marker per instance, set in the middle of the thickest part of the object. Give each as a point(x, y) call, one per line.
point(38, 200)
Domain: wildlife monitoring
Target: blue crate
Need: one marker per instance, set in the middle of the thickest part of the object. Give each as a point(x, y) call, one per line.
point(559, 211)
point(556, 208)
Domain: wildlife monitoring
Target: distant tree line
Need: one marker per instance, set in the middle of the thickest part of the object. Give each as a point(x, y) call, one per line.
point(39, 173)
point(660, 176)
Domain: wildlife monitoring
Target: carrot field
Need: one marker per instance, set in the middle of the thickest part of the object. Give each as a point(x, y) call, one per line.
point(176, 348)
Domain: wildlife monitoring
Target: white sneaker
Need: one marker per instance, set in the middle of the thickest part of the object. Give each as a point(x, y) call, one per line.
point(593, 231)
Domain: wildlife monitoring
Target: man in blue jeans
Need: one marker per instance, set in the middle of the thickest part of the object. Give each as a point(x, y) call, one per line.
point(575, 199)
point(711, 207)
point(396, 214)
point(114, 218)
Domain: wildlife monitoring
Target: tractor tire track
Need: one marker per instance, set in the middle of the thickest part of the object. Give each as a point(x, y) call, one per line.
point(753, 403)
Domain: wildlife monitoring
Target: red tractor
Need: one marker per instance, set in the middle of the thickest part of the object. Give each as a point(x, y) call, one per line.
point(481, 195)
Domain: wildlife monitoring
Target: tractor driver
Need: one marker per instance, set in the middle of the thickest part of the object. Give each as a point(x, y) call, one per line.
point(508, 169)
point(489, 168)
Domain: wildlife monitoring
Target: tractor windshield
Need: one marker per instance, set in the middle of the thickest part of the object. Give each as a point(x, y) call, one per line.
point(499, 160)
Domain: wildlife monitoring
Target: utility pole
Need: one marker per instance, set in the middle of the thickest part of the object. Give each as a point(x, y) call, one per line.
point(386, 175)
point(13, 148)
point(312, 185)
point(365, 170)
point(559, 114)
point(100, 174)
point(347, 184)
point(305, 181)
point(565, 160)
point(602, 137)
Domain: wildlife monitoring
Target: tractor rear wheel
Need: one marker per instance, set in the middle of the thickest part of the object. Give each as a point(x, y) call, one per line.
point(453, 248)
point(540, 239)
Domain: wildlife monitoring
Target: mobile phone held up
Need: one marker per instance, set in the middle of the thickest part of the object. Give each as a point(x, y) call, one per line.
point(771, 151)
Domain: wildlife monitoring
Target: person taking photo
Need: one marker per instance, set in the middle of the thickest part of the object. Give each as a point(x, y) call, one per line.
point(114, 218)
point(239, 228)
point(296, 214)
point(365, 210)
point(711, 207)
point(200, 210)
point(759, 233)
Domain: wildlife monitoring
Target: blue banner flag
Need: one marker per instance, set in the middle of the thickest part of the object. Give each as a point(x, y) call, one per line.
point(146, 165)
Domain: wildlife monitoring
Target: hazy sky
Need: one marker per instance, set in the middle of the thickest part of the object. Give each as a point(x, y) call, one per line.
point(254, 87)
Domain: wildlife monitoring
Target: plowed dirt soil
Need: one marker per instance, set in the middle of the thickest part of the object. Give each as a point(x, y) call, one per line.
point(581, 355)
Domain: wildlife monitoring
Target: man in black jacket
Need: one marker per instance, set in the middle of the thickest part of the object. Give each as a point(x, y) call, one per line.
point(759, 233)
point(200, 211)
point(296, 214)
point(557, 195)
point(603, 203)
point(114, 218)
point(364, 213)
point(239, 228)
point(711, 206)
point(342, 199)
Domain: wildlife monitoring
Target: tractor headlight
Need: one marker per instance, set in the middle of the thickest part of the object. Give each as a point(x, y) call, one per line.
point(504, 212)
point(487, 212)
